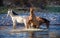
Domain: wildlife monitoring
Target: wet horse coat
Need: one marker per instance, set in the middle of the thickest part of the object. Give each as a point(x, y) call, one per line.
point(43, 21)
point(32, 19)
point(17, 18)
point(36, 21)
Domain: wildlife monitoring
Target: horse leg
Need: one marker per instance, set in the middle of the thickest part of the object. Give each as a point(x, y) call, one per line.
point(26, 25)
point(37, 26)
point(29, 24)
point(47, 25)
point(14, 25)
point(34, 26)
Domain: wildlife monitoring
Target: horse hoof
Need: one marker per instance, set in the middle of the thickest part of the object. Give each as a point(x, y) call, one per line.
point(14, 28)
point(25, 28)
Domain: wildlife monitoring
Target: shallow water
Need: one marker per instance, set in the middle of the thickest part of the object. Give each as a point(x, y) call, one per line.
point(52, 32)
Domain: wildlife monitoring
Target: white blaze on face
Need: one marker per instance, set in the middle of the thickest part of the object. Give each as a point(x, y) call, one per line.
point(9, 12)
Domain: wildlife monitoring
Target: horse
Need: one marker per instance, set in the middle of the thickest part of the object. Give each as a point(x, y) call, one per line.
point(17, 18)
point(43, 21)
point(36, 21)
point(32, 19)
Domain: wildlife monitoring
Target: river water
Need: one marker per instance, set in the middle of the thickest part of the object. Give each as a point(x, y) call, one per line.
point(52, 32)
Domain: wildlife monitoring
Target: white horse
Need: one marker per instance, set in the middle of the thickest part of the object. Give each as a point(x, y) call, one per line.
point(17, 18)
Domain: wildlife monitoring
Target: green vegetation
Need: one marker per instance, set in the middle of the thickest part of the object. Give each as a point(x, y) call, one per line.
point(3, 10)
point(53, 9)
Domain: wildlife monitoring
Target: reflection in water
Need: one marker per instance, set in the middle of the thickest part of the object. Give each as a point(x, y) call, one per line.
point(6, 34)
point(31, 34)
point(53, 32)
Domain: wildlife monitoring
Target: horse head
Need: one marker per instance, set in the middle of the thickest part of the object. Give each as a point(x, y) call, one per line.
point(31, 10)
point(9, 12)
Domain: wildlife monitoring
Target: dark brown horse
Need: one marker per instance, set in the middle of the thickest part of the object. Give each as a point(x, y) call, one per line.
point(35, 21)
point(32, 19)
point(43, 21)
point(40, 22)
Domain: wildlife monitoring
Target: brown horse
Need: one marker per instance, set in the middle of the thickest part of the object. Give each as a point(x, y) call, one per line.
point(43, 21)
point(35, 21)
point(32, 19)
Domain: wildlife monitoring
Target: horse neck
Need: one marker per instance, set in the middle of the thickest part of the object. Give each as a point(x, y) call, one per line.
point(11, 14)
point(32, 14)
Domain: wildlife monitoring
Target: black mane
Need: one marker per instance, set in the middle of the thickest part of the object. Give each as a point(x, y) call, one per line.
point(14, 13)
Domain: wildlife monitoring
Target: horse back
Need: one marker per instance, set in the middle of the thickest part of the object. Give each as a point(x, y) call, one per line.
point(40, 19)
point(45, 20)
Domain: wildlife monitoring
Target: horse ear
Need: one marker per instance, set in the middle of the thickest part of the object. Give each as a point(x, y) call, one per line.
point(31, 10)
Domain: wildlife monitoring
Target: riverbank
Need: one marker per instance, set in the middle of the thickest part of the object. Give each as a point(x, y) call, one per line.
point(50, 9)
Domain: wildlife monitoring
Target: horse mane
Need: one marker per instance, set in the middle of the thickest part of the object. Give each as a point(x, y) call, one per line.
point(14, 13)
point(45, 19)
